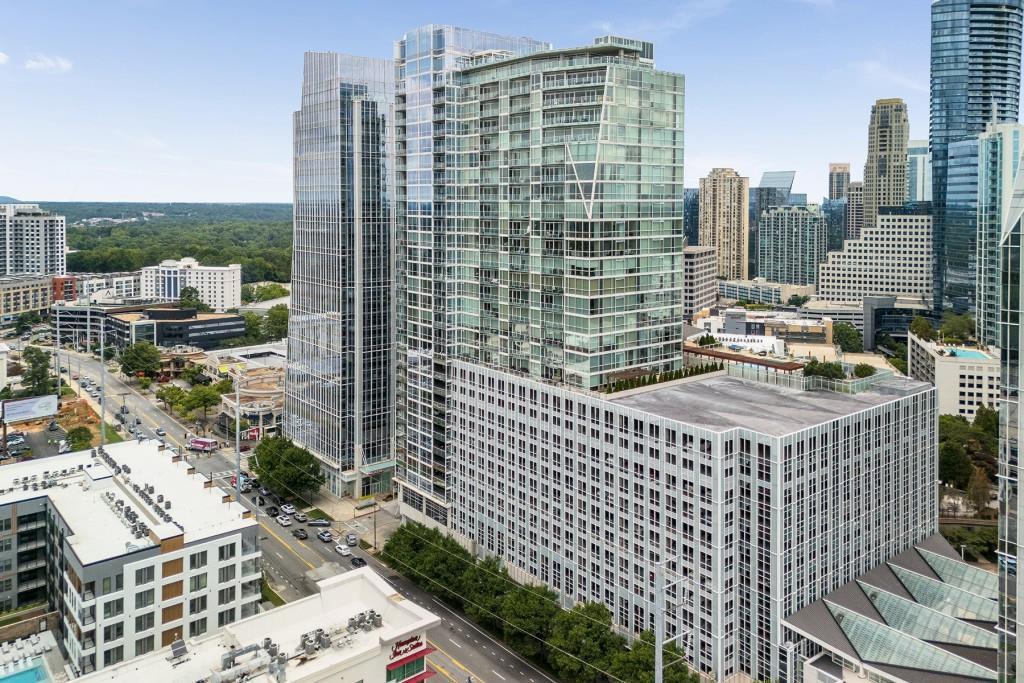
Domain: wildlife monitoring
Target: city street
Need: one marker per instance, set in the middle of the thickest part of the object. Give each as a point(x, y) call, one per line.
point(461, 649)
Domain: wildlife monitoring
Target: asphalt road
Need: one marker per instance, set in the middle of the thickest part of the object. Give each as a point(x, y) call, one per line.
point(462, 649)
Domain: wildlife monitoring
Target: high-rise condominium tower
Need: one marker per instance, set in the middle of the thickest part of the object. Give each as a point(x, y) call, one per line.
point(975, 78)
point(724, 220)
point(1000, 151)
point(885, 173)
point(32, 240)
point(774, 189)
point(919, 172)
point(960, 225)
point(838, 180)
point(855, 210)
point(557, 253)
point(340, 386)
point(792, 241)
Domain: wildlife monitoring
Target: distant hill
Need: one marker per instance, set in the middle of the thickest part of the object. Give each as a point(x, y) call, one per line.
point(82, 212)
point(4, 199)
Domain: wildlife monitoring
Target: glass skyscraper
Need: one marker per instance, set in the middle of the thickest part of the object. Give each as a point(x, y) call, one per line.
point(960, 225)
point(541, 223)
point(919, 172)
point(773, 190)
point(339, 386)
point(975, 78)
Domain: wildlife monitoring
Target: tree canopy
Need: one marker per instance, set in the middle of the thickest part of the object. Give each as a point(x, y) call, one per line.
point(201, 397)
point(263, 292)
point(979, 441)
point(862, 370)
point(140, 357)
point(275, 325)
point(189, 298)
point(79, 438)
point(25, 321)
point(287, 469)
point(817, 368)
point(36, 380)
point(797, 300)
point(957, 329)
point(848, 338)
point(922, 329)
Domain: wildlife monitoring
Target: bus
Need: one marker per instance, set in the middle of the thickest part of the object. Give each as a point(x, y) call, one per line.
point(202, 445)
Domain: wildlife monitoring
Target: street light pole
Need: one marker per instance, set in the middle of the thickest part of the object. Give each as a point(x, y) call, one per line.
point(238, 436)
point(103, 383)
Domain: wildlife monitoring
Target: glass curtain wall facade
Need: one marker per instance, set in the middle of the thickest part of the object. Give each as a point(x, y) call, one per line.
point(428, 138)
point(339, 387)
point(960, 225)
point(999, 157)
point(975, 78)
point(793, 241)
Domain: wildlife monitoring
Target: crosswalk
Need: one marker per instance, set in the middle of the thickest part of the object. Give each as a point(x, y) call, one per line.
point(223, 474)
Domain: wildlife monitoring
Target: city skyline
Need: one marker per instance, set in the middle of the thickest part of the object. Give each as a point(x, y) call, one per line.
point(211, 144)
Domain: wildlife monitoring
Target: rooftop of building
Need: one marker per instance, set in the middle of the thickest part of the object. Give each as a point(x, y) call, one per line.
point(722, 402)
point(606, 48)
point(135, 316)
point(272, 355)
point(957, 353)
point(340, 599)
point(93, 494)
point(923, 616)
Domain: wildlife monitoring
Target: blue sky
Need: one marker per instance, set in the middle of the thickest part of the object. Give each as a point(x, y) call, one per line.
point(188, 100)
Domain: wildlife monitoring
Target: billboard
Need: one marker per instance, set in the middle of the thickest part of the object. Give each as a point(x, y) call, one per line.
point(33, 408)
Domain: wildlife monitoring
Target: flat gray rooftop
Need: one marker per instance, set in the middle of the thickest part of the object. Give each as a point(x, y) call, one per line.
point(720, 403)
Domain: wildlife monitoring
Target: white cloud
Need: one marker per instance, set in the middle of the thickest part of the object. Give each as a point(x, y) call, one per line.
point(49, 64)
point(878, 73)
point(4, 58)
point(686, 14)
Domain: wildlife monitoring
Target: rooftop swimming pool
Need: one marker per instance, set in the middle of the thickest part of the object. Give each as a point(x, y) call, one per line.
point(970, 354)
point(36, 673)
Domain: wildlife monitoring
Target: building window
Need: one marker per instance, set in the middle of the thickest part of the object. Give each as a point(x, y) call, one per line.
point(144, 575)
point(226, 595)
point(226, 617)
point(113, 608)
point(143, 645)
point(197, 560)
point(405, 671)
point(225, 574)
point(113, 655)
point(196, 605)
point(144, 622)
point(113, 632)
point(197, 628)
point(226, 552)
point(197, 582)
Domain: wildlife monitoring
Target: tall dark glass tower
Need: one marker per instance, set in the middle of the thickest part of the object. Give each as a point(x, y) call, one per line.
point(975, 78)
point(339, 389)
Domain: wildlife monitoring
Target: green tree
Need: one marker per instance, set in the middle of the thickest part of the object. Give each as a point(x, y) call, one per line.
point(848, 338)
point(264, 292)
point(636, 664)
point(957, 328)
point(978, 490)
point(585, 633)
point(223, 386)
point(528, 612)
point(171, 395)
point(275, 325)
point(797, 300)
point(191, 374)
point(140, 357)
point(980, 442)
point(955, 466)
point(815, 368)
point(36, 380)
point(201, 397)
point(986, 421)
point(79, 438)
point(708, 340)
point(145, 383)
point(922, 328)
point(484, 586)
point(978, 542)
point(25, 321)
point(286, 468)
point(863, 370)
point(189, 298)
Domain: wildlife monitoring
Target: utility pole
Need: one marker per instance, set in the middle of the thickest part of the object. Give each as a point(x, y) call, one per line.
point(661, 586)
point(56, 355)
point(238, 436)
point(103, 383)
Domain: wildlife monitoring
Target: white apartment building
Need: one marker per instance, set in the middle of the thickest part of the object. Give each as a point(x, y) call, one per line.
point(761, 291)
point(369, 633)
point(120, 286)
point(700, 267)
point(964, 377)
point(765, 494)
point(220, 287)
point(892, 257)
point(132, 546)
point(31, 241)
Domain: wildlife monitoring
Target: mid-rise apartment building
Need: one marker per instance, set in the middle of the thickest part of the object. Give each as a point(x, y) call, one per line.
point(130, 545)
point(761, 291)
point(892, 257)
point(219, 287)
point(764, 494)
point(558, 253)
point(724, 220)
point(965, 378)
point(791, 242)
point(32, 240)
point(24, 294)
point(885, 172)
point(124, 286)
point(699, 280)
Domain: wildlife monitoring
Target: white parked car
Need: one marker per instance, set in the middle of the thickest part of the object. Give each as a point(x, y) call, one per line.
point(343, 549)
point(288, 509)
point(284, 520)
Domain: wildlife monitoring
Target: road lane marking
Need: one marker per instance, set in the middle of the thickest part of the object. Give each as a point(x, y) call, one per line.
point(500, 676)
point(441, 670)
point(291, 549)
point(454, 643)
point(457, 663)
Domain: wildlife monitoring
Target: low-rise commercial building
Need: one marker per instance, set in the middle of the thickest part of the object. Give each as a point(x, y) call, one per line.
point(763, 490)
point(355, 628)
point(784, 325)
point(761, 291)
point(130, 545)
point(699, 276)
point(219, 287)
point(168, 327)
point(965, 378)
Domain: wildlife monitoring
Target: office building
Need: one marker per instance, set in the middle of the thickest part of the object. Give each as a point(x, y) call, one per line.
point(975, 79)
point(219, 287)
point(854, 210)
point(885, 173)
point(1011, 503)
point(724, 220)
point(774, 189)
point(691, 215)
point(761, 291)
point(130, 546)
point(534, 283)
point(784, 325)
point(339, 396)
point(700, 290)
point(965, 377)
point(169, 327)
point(891, 258)
point(838, 180)
point(834, 212)
point(960, 227)
point(919, 172)
point(24, 294)
point(792, 241)
point(767, 489)
point(32, 240)
point(354, 628)
point(999, 160)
